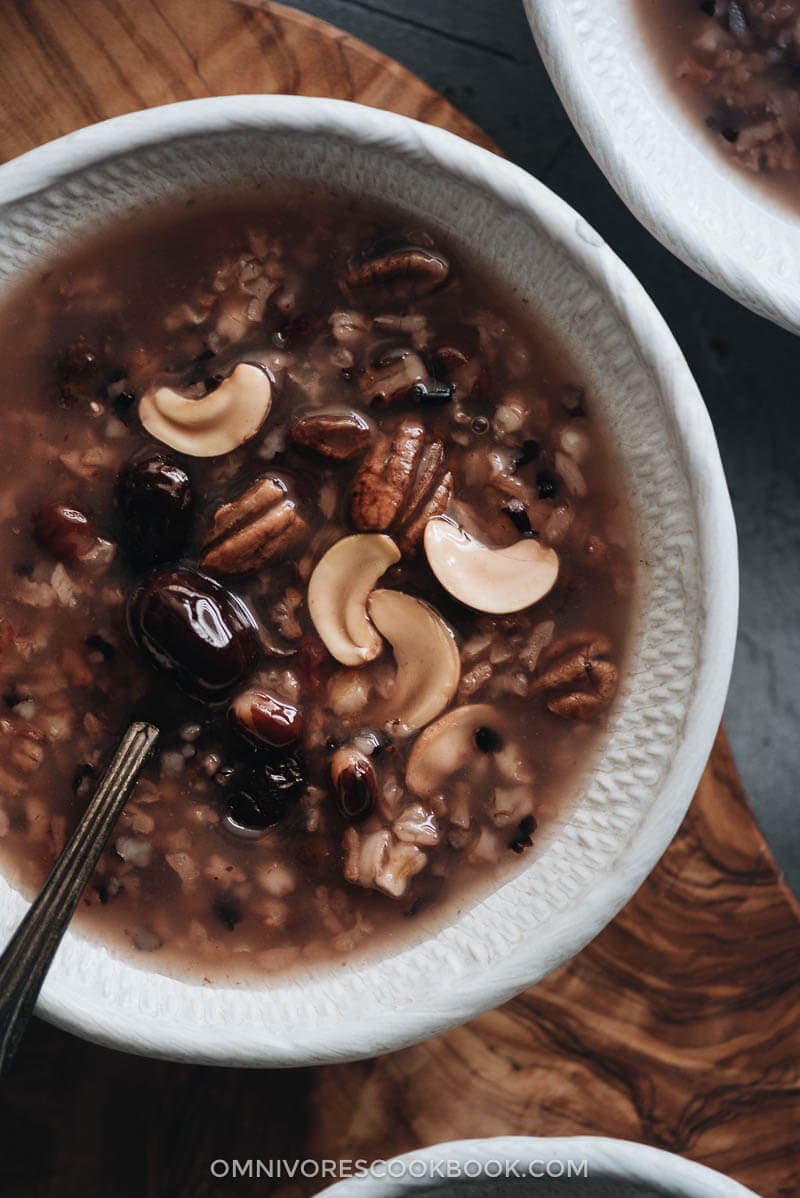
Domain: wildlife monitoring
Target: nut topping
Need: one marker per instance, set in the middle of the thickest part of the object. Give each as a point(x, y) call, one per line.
point(576, 676)
point(437, 502)
point(489, 580)
point(401, 485)
point(335, 433)
point(338, 591)
point(462, 738)
point(428, 661)
point(386, 477)
point(259, 527)
point(406, 270)
point(214, 424)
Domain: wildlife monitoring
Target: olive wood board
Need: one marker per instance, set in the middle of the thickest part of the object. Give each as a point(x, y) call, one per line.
point(678, 1026)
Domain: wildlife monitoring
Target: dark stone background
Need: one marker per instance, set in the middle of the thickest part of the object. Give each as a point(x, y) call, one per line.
point(480, 54)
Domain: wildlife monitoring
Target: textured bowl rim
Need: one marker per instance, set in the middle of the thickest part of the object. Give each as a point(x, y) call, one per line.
point(670, 216)
point(618, 1160)
point(335, 1038)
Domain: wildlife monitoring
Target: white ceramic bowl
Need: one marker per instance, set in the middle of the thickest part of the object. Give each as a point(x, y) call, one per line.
point(519, 1166)
point(671, 701)
point(659, 158)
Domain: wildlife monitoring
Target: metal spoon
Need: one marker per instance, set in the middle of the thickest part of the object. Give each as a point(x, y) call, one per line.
point(27, 958)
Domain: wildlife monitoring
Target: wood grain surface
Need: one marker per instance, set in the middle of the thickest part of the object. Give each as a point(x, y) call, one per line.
point(678, 1026)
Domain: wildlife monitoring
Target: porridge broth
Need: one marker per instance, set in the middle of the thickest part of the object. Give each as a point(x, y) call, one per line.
point(275, 825)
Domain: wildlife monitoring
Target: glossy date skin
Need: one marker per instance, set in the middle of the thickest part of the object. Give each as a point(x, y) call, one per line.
point(195, 630)
point(154, 504)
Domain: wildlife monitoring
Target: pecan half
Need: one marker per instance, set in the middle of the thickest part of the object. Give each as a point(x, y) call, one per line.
point(335, 433)
point(401, 485)
point(406, 270)
point(411, 531)
point(259, 527)
point(576, 676)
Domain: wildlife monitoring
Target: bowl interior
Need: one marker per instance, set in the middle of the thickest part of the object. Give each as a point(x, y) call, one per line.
point(663, 724)
point(657, 155)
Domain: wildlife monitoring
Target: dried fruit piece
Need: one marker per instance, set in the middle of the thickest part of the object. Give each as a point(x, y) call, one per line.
point(261, 526)
point(518, 515)
point(267, 719)
point(64, 531)
point(259, 796)
point(355, 786)
point(576, 676)
point(313, 665)
point(252, 811)
point(197, 631)
point(154, 497)
point(523, 837)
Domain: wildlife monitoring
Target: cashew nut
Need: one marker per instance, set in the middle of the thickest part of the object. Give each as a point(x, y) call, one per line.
point(452, 743)
point(496, 581)
point(427, 657)
point(214, 424)
point(338, 592)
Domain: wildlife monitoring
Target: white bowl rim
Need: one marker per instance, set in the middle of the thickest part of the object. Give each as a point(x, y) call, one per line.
point(624, 1160)
point(335, 1038)
point(726, 262)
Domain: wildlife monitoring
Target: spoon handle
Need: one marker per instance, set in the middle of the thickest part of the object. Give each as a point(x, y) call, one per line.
point(30, 951)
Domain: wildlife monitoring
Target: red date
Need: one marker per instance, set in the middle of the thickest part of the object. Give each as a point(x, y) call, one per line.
point(64, 531)
point(267, 720)
point(196, 630)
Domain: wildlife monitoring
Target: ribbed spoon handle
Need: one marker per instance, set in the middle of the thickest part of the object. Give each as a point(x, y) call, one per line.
point(27, 958)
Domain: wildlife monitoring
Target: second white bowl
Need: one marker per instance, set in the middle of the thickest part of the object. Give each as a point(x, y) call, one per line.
point(519, 1166)
point(658, 156)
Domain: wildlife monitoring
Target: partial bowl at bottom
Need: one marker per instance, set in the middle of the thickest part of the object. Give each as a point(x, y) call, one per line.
point(579, 1167)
